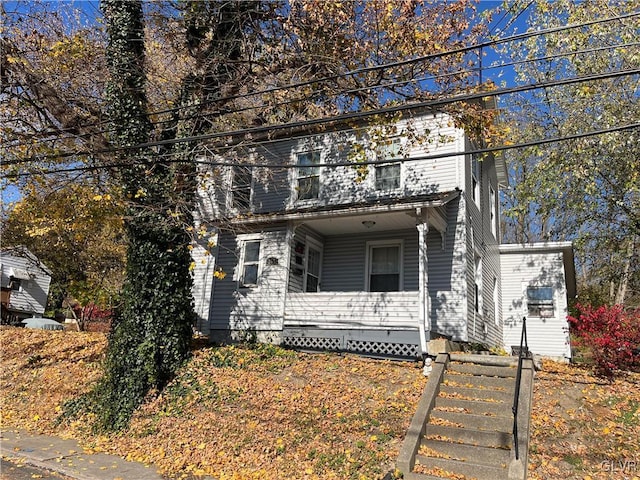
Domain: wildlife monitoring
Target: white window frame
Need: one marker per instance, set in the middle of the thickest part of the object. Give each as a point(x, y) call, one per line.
point(368, 261)
point(538, 304)
point(20, 282)
point(476, 178)
point(496, 301)
point(493, 211)
point(311, 243)
point(394, 157)
point(242, 243)
point(233, 188)
point(299, 176)
point(478, 284)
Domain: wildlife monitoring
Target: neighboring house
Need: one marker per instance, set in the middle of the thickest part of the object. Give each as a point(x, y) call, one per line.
point(319, 257)
point(25, 284)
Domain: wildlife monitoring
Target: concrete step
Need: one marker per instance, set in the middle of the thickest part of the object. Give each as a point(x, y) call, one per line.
point(475, 422)
point(488, 371)
point(469, 470)
point(502, 383)
point(468, 436)
point(465, 453)
point(485, 394)
point(475, 407)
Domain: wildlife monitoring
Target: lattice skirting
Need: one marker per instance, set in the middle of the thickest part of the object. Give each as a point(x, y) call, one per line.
point(395, 344)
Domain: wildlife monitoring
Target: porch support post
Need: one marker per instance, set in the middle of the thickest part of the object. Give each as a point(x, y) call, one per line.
point(424, 322)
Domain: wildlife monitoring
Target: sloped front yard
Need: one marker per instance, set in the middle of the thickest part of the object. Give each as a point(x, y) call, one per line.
point(237, 413)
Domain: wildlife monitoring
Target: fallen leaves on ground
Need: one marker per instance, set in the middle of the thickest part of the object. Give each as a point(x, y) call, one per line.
point(232, 412)
point(584, 427)
point(264, 412)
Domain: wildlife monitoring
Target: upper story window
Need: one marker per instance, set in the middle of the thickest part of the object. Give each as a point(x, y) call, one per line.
point(15, 284)
point(475, 179)
point(308, 175)
point(387, 176)
point(493, 209)
point(540, 302)
point(250, 263)
point(384, 269)
point(241, 187)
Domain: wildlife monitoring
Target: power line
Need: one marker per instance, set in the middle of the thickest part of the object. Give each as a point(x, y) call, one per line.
point(431, 104)
point(373, 68)
point(478, 151)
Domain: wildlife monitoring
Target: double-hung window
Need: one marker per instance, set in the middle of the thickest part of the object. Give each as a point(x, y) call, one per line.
point(308, 175)
point(478, 284)
point(540, 302)
point(387, 175)
point(241, 188)
point(384, 273)
point(250, 263)
point(475, 179)
point(493, 212)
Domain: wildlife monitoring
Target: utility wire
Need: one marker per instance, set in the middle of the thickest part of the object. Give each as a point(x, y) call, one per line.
point(479, 151)
point(339, 118)
point(374, 68)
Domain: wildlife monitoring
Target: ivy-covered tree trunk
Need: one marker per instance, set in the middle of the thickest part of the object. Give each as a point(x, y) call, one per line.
point(151, 336)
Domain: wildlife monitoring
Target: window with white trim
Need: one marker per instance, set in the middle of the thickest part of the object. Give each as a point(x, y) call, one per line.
point(475, 179)
point(493, 209)
point(250, 263)
point(308, 185)
point(15, 284)
point(242, 178)
point(496, 299)
point(384, 266)
point(540, 302)
point(478, 284)
point(388, 175)
point(312, 272)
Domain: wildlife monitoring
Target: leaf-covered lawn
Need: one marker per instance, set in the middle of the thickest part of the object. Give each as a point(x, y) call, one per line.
point(264, 412)
point(233, 413)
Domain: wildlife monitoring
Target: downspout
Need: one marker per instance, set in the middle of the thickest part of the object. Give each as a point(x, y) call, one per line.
point(424, 321)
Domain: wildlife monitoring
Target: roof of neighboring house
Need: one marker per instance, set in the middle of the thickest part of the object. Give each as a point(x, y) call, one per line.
point(28, 259)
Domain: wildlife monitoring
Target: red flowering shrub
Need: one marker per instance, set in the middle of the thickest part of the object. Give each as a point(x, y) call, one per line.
point(612, 334)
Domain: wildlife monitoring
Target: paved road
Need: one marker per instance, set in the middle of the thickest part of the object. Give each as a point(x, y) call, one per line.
point(21, 471)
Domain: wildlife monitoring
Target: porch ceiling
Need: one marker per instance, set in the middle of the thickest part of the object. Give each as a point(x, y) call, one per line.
point(402, 220)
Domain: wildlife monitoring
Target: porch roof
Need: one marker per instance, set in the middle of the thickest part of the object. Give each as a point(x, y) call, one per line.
point(334, 217)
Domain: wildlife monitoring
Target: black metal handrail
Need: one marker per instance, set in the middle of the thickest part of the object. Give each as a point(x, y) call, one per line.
point(522, 354)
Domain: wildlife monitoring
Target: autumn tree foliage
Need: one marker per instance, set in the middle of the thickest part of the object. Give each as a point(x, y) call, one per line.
point(163, 72)
point(611, 334)
point(581, 189)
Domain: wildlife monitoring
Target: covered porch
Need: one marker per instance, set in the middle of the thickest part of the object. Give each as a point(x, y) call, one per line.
point(358, 278)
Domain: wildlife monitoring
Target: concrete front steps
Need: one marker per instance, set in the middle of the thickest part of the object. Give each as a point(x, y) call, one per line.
point(464, 422)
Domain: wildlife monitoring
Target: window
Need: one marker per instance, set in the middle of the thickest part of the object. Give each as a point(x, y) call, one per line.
point(15, 284)
point(241, 188)
point(492, 212)
point(250, 263)
point(387, 176)
point(308, 175)
point(384, 267)
point(478, 283)
point(540, 301)
point(475, 179)
point(496, 299)
point(312, 277)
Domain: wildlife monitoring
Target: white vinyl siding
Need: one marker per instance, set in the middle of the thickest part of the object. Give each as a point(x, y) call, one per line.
point(28, 279)
point(522, 270)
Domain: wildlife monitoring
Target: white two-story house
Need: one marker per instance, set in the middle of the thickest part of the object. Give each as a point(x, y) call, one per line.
point(378, 258)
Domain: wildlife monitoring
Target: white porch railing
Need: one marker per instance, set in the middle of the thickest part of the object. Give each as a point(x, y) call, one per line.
point(371, 310)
